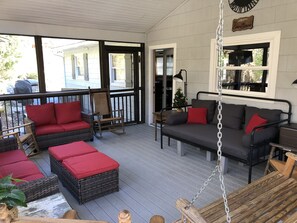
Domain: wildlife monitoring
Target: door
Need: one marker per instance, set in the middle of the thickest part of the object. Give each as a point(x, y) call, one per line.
point(124, 76)
point(163, 73)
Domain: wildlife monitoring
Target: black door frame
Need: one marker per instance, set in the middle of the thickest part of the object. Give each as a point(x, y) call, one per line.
point(165, 88)
point(139, 86)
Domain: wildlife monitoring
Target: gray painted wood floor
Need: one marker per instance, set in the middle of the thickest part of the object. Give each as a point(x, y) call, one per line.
point(152, 179)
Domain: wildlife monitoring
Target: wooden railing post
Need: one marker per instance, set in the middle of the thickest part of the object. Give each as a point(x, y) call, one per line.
point(4, 214)
point(124, 216)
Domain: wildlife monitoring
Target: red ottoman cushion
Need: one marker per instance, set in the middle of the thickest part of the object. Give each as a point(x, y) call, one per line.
point(90, 164)
point(75, 126)
point(70, 150)
point(20, 169)
point(12, 156)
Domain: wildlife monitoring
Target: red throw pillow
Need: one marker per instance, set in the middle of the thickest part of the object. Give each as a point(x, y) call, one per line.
point(256, 120)
point(197, 116)
point(68, 112)
point(41, 114)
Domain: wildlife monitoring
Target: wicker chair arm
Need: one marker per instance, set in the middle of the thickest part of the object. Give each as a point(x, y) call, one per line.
point(87, 118)
point(40, 188)
point(8, 144)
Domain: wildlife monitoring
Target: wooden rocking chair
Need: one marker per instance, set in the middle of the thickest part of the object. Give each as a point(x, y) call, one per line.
point(272, 198)
point(26, 141)
point(278, 164)
point(103, 115)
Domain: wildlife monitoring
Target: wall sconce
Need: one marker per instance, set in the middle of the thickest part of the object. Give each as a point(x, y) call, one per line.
point(294, 83)
point(179, 77)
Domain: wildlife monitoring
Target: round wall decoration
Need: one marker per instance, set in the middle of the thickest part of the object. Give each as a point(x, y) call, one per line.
point(242, 6)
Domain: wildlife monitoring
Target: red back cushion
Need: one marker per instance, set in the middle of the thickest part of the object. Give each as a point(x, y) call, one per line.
point(41, 114)
point(68, 112)
point(197, 116)
point(256, 120)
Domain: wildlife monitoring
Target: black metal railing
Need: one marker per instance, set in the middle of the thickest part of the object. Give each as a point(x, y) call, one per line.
point(13, 107)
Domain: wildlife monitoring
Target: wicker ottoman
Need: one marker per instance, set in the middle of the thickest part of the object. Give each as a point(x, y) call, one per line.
point(86, 176)
point(59, 153)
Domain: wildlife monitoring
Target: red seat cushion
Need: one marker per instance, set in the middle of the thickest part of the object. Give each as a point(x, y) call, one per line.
point(48, 129)
point(256, 120)
point(20, 169)
point(12, 156)
point(68, 112)
point(197, 116)
point(70, 150)
point(75, 126)
point(30, 178)
point(41, 114)
point(89, 164)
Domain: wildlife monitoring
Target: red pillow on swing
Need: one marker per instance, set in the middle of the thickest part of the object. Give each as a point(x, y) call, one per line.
point(197, 116)
point(256, 120)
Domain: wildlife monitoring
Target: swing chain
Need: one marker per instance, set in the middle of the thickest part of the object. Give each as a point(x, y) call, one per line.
point(219, 41)
point(213, 173)
point(220, 50)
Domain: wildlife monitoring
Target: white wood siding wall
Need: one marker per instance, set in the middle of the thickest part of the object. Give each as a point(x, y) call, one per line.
point(193, 25)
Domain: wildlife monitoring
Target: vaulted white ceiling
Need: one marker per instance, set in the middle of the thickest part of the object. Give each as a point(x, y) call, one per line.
point(117, 15)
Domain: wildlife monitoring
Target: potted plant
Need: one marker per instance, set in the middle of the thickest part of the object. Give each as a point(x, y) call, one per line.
point(11, 195)
point(179, 99)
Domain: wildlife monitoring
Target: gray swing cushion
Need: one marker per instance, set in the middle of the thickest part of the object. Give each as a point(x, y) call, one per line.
point(232, 116)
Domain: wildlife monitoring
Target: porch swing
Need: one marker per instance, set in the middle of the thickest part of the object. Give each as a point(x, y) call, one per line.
point(272, 198)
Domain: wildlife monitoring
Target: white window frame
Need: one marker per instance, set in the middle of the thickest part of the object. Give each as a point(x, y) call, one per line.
point(273, 38)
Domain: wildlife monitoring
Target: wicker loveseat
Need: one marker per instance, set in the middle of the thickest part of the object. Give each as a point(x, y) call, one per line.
point(61, 123)
point(14, 161)
point(247, 130)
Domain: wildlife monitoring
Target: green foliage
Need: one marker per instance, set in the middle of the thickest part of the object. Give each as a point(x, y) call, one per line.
point(258, 60)
point(9, 55)
point(10, 194)
point(32, 75)
point(179, 99)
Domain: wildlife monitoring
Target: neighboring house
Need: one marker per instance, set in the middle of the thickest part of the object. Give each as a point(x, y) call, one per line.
point(81, 65)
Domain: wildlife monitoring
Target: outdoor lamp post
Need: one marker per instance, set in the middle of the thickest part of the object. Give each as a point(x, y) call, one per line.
point(179, 77)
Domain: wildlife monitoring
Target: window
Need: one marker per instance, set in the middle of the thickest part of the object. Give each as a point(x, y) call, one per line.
point(71, 64)
point(250, 64)
point(121, 70)
point(18, 66)
point(80, 66)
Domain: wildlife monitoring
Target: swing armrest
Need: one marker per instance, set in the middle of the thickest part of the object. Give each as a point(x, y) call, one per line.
point(191, 213)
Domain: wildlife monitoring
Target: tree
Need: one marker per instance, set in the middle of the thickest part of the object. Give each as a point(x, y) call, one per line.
point(179, 99)
point(9, 55)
